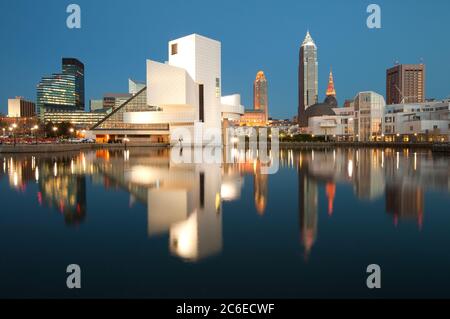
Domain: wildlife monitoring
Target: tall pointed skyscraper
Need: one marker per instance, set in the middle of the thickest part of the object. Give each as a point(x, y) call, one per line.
point(307, 78)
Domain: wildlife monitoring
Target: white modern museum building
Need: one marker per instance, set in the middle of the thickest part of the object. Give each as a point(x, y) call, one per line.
point(182, 100)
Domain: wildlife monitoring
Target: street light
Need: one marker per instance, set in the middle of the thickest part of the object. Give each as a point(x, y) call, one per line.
point(34, 129)
point(12, 128)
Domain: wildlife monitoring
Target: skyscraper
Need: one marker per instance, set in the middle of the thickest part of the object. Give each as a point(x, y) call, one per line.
point(405, 83)
point(331, 92)
point(307, 78)
point(76, 68)
point(62, 91)
point(260, 99)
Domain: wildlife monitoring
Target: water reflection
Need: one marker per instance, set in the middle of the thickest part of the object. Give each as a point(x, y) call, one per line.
point(184, 202)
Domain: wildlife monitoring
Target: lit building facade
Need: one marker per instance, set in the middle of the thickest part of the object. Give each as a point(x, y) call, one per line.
point(62, 91)
point(417, 122)
point(19, 107)
point(369, 111)
point(253, 118)
point(76, 68)
point(80, 119)
point(307, 78)
point(260, 95)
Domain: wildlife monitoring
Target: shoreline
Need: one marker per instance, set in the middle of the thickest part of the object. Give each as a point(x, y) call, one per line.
point(58, 148)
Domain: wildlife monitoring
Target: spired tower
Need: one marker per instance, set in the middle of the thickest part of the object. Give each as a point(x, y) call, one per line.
point(260, 99)
point(307, 78)
point(331, 92)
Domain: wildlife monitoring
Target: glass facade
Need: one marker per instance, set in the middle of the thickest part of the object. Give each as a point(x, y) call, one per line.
point(62, 91)
point(369, 111)
point(56, 91)
point(76, 68)
point(137, 103)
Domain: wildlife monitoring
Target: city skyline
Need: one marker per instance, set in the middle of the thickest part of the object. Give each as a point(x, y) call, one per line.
point(278, 58)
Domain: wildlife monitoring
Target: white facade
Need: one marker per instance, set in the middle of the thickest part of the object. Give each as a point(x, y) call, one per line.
point(371, 120)
point(187, 91)
point(339, 126)
point(182, 102)
point(424, 121)
point(14, 108)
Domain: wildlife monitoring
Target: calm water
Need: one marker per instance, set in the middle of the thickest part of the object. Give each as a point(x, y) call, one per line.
point(141, 226)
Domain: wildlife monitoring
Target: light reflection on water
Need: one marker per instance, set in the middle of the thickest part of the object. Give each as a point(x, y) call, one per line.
point(186, 203)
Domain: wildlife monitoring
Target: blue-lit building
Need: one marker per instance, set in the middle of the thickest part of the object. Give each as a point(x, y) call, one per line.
point(62, 91)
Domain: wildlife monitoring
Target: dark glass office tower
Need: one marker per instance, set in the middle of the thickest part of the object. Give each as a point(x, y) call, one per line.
point(75, 67)
point(307, 78)
point(62, 91)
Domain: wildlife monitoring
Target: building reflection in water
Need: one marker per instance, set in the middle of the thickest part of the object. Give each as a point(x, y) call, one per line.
point(399, 175)
point(184, 201)
point(58, 185)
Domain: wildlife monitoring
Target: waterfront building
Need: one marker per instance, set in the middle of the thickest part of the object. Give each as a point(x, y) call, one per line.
point(417, 122)
point(80, 119)
point(405, 83)
point(184, 103)
point(76, 68)
point(19, 107)
point(62, 91)
point(369, 111)
point(328, 119)
point(307, 78)
point(253, 118)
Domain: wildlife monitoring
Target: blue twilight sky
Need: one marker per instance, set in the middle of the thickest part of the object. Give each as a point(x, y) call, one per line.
point(117, 36)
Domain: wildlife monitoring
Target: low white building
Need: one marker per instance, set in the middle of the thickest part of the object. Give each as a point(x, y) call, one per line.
point(182, 102)
point(360, 122)
point(426, 122)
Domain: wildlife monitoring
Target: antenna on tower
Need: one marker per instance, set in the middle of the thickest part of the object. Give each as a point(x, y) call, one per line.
point(396, 62)
point(421, 60)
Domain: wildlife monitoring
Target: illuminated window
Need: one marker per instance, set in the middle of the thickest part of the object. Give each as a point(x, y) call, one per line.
point(174, 49)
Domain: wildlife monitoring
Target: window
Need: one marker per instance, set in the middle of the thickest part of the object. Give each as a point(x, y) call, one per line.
point(217, 87)
point(174, 49)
